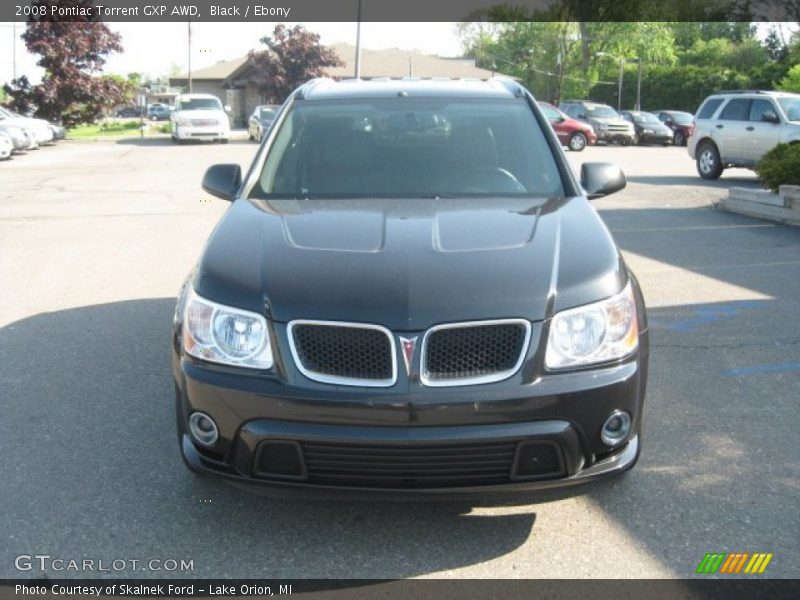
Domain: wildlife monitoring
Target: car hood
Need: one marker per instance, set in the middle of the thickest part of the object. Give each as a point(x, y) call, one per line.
point(610, 121)
point(409, 264)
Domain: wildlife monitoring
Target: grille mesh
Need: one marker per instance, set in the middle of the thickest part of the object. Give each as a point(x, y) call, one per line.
point(341, 351)
point(473, 351)
point(413, 466)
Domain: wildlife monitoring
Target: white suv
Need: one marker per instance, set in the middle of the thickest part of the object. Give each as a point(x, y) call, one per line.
point(736, 128)
point(198, 117)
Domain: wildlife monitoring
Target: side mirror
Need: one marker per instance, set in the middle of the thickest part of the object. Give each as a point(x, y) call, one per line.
point(227, 108)
point(223, 181)
point(770, 116)
point(601, 179)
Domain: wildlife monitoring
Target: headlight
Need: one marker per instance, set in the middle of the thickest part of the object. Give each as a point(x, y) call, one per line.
point(226, 335)
point(594, 333)
point(183, 122)
point(601, 127)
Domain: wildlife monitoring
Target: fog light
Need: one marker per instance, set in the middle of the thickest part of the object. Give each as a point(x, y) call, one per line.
point(616, 428)
point(203, 428)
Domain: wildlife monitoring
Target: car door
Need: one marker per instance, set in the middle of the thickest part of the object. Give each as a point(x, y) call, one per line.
point(730, 128)
point(761, 136)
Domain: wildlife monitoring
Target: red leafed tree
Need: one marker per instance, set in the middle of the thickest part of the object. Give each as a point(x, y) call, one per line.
point(72, 51)
point(293, 56)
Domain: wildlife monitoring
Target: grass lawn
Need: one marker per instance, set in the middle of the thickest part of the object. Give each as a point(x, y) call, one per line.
point(115, 129)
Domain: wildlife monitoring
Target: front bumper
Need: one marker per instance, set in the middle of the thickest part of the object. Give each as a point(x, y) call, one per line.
point(614, 136)
point(565, 411)
point(188, 132)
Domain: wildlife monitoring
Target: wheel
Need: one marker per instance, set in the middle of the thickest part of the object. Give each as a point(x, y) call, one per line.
point(680, 138)
point(709, 165)
point(625, 142)
point(258, 137)
point(637, 140)
point(252, 137)
point(577, 141)
point(224, 140)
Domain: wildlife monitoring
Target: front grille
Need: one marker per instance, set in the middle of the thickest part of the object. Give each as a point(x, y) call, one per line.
point(478, 352)
point(409, 466)
point(619, 128)
point(344, 353)
point(204, 122)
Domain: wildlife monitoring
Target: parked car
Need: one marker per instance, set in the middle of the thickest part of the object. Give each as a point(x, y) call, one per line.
point(736, 128)
point(681, 123)
point(38, 127)
point(418, 305)
point(572, 133)
point(605, 121)
point(649, 130)
point(6, 146)
point(260, 121)
point(21, 138)
point(128, 112)
point(198, 117)
point(59, 133)
point(159, 112)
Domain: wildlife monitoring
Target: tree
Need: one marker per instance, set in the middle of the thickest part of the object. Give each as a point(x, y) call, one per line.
point(791, 83)
point(293, 56)
point(72, 51)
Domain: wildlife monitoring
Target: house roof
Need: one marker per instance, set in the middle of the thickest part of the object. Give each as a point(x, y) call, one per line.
point(392, 62)
point(219, 71)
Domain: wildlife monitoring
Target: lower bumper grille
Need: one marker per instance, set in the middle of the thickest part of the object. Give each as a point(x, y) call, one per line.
point(417, 466)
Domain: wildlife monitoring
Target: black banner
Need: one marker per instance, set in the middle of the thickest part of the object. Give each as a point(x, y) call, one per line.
point(392, 10)
point(359, 589)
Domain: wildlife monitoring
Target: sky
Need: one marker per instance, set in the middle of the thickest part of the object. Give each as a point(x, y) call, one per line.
point(152, 48)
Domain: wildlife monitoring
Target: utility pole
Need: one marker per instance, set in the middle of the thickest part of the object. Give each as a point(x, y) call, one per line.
point(14, 46)
point(358, 43)
point(619, 88)
point(189, 51)
point(639, 86)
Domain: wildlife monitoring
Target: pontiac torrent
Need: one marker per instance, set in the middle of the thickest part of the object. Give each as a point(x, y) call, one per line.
point(410, 295)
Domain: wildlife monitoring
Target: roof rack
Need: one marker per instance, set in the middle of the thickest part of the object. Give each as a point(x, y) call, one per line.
point(510, 84)
point(740, 92)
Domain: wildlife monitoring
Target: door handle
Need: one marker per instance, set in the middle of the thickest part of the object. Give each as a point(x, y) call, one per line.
point(720, 126)
point(750, 128)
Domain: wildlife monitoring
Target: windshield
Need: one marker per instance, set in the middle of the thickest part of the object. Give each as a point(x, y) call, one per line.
point(267, 112)
point(791, 106)
point(603, 112)
point(409, 147)
point(641, 117)
point(682, 118)
point(200, 104)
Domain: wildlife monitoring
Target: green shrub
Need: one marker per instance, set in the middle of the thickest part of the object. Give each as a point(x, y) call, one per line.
point(780, 166)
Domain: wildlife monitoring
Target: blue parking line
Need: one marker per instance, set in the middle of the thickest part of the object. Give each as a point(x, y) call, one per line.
point(705, 315)
point(770, 368)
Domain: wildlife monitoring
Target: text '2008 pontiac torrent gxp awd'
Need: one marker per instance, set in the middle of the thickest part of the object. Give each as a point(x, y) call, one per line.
point(410, 294)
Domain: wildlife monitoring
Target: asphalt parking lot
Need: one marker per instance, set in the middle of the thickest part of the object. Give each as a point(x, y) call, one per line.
point(95, 239)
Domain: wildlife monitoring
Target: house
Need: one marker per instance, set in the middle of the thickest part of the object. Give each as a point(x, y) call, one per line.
point(228, 80)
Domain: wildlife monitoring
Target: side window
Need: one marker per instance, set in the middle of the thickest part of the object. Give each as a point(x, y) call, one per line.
point(759, 108)
point(709, 108)
point(737, 109)
point(627, 117)
point(663, 117)
point(550, 113)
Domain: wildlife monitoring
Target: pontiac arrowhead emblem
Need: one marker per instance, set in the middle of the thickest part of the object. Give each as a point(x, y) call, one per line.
point(408, 346)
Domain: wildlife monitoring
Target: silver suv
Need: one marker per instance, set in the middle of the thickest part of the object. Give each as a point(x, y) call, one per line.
point(736, 128)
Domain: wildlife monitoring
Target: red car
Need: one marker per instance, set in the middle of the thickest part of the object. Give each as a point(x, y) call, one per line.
point(572, 133)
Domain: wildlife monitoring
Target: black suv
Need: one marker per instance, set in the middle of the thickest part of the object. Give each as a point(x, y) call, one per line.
point(410, 294)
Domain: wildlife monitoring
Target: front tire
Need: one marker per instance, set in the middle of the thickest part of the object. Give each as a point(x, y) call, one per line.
point(680, 139)
point(577, 142)
point(709, 164)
